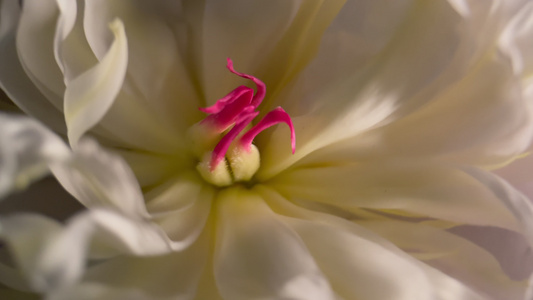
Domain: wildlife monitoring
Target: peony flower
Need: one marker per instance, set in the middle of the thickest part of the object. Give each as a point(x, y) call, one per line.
point(346, 152)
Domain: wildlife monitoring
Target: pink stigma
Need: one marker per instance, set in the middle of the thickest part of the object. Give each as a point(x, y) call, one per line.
point(238, 109)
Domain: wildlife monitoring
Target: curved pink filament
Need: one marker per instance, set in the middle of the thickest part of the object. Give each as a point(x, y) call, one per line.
point(261, 87)
point(223, 145)
point(278, 115)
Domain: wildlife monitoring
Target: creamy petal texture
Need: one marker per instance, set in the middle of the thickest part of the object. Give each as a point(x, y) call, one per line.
point(427, 190)
point(400, 109)
point(89, 96)
point(258, 257)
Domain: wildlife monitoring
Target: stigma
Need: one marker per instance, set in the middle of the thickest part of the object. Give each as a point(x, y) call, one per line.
point(224, 139)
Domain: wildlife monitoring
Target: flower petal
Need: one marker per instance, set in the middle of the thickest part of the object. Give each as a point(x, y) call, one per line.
point(25, 234)
point(161, 51)
point(454, 255)
point(13, 79)
point(156, 276)
point(59, 258)
point(423, 188)
point(360, 264)
point(26, 148)
point(258, 257)
point(463, 83)
point(181, 207)
point(100, 179)
point(258, 33)
point(35, 46)
point(89, 96)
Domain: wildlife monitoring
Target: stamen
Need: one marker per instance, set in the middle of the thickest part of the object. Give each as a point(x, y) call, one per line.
point(238, 109)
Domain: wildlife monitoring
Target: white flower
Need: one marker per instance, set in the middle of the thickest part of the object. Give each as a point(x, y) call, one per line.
point(400, 109)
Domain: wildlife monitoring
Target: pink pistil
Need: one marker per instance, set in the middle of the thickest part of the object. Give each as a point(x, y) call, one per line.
point(277, 115)
point(238, 108)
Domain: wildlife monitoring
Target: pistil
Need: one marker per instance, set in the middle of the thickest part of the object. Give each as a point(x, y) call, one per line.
point(234, 157)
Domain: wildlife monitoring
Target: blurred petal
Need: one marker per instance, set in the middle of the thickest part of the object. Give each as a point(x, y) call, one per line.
point(93, 291)
point(35, 46)
point(57, 258)
point(26, 149)
point(259, 257)
point(13, 79)
point(423, 188)
point(25, 235)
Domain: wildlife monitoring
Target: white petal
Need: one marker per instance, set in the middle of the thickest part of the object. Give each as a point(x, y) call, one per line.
point(423, 188)
point(516, 202)
point(515, 41)
point(13, 79)
point(153, 169)
point(101, 179)
point(362, 265)
point(272, 39)
point(26, 148)
point(172, 276)
point(360, 83)
point(62, 258)
point(161, 43)
point(258, 257)
point(454, 255)
point(89, 96)
point(35, 45)
point(181, 207)
point(25, 235)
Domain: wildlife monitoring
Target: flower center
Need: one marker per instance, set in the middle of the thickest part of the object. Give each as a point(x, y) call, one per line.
point(223, 140)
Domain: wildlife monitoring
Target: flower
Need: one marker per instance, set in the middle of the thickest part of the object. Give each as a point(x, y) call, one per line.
point(401, 109)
